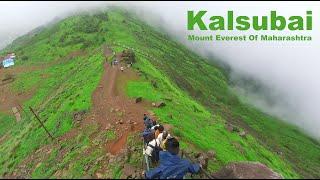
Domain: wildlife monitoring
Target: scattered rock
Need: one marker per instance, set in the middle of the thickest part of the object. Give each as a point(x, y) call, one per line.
point(133, 149)
point(203, 159)
point(160, 104)
point(232, 128)
point(153, 104)
point(15, 110)
point(279, 153)
point(197, 155)
point(134, 123)
point(236, 129)
point(120, 121)
point(111, 160)
point(99, 175)
point(138, 99)
point(49, 151)
point(211, 154)
point(87, 167)
point(79, 116)
point(246, 170)
point(128, 171)
point(243, 134)
point(108, 126)
point(100, 159)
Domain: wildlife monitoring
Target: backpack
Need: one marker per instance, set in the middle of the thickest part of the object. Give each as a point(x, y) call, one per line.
point(155, 153)
point(148, 135)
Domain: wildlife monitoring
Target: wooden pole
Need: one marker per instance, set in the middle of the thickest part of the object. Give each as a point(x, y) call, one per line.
point(41, 123)
point(24, 111)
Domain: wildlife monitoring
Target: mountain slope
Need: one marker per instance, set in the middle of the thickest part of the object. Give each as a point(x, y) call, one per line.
point(66, 65)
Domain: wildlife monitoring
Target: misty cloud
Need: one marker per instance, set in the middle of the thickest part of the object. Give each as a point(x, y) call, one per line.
point(288, 70)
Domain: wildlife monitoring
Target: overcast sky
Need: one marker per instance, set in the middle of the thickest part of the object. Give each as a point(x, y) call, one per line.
point(289, 69)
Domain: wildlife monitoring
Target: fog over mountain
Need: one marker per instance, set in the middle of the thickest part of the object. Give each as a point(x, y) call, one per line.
point(287, 70)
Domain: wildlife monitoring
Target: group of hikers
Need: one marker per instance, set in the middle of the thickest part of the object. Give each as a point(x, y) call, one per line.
point(162, 150)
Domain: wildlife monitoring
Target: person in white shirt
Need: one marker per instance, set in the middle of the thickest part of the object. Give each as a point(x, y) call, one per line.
point(156, 142)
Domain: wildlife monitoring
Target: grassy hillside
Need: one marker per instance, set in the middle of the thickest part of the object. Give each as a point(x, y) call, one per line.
point(198, 97)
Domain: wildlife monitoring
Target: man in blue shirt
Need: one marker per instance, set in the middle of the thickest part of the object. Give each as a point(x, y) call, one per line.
point(171, 165)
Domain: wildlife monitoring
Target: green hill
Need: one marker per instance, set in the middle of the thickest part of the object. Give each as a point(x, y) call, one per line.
point(66, 65)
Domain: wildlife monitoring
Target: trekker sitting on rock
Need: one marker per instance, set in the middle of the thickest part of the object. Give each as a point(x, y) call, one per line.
point(171, 165)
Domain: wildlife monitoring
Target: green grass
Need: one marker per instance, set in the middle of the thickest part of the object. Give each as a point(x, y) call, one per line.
point(138, 89)
point(26, 81)
point(194, 124)
point(110, 134)
point(116, 171)
point(67, 90)
point(208, 84)
point(6, 122)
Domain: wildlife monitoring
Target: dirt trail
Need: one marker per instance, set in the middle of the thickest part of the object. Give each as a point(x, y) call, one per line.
point(112, 109)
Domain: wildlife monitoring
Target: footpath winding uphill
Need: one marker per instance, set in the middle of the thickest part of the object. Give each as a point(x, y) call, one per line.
point(111, 108)
point(112, 111)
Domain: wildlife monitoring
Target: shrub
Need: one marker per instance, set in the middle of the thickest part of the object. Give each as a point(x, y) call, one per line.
point(24, 58)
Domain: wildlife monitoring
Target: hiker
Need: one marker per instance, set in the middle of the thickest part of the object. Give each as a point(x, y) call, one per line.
point(148, 135)
point(148, 123)
point(153, 147)
point(158, 129)
point(163, 138)
point(171, 165)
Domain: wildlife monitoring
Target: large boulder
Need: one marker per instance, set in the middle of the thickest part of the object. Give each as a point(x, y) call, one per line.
point(128, 56)
point(246, 170)
point(159, 104)
point(232, 128)
point(154, 83)
point(138, 99)
point(79, 116)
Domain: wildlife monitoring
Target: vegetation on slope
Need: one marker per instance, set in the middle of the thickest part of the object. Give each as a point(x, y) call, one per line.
point(196, 93)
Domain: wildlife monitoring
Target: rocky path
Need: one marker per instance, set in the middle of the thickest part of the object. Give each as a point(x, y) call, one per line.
point(112, 109)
